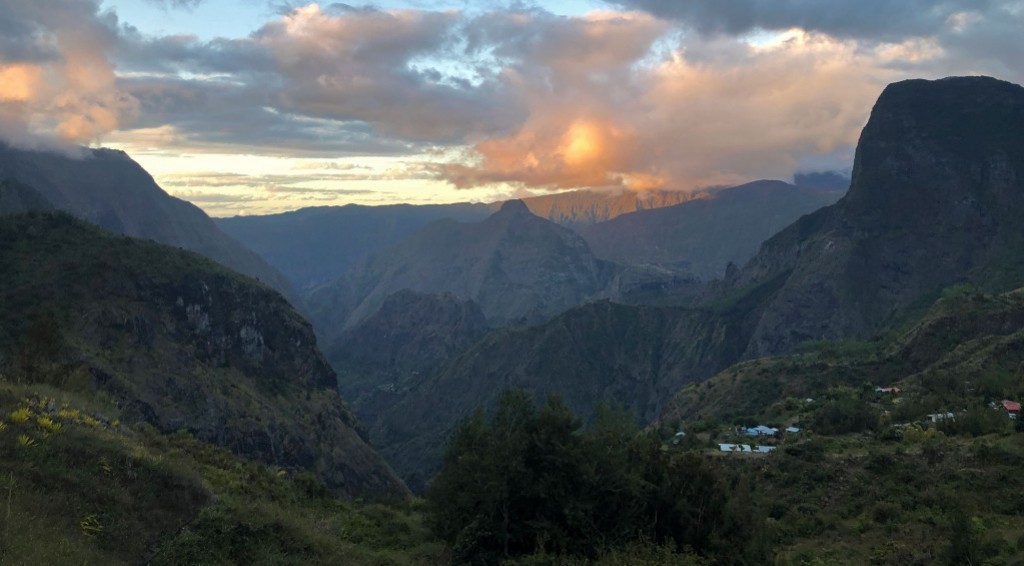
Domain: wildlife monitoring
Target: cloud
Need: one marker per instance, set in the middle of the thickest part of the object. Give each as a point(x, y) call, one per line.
point(885, 20)
point(704, 113)
point(56, 76)
point(660, 94)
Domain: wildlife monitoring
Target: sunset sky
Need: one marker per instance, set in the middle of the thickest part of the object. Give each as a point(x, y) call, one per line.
point(256, 106)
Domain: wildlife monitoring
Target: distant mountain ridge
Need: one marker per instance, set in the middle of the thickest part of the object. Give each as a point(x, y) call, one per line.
point(314, 246)
point(704, 235)
point(108, 188)
point(520, 269)
point(579, 208)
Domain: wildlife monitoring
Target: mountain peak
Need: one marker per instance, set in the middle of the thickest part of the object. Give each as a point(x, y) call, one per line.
point(514, 206)
point(942, 139)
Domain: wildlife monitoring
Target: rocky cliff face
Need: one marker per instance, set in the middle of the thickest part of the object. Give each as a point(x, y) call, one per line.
point(107, 188)
point(935, 199)
point(181, 343)
point(518, 268)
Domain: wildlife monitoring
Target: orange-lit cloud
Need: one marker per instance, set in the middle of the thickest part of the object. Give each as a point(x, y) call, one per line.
point(697, 118)
point(19, 83)
point(68, 87)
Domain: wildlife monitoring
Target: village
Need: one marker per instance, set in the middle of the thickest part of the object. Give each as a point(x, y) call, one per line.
point(763, 439)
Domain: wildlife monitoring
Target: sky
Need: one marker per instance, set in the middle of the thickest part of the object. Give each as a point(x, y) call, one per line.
point(262, 106)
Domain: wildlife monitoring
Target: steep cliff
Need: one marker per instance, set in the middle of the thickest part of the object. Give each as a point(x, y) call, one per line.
point(936, 199)
point(179, 342)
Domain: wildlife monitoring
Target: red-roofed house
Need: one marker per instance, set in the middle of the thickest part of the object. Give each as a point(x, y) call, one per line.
point(1012, 407)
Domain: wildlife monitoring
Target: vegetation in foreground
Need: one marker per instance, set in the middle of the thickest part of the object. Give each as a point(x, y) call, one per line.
point(76, 486)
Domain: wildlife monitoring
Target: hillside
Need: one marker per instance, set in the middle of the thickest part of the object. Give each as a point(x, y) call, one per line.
point(704, 235)
point(386, 356)
point(518, 268)
point(80, 487)
point(107, 188)
point(179, 342)
point(935, 199)
point(315, 246)
point(634, 357)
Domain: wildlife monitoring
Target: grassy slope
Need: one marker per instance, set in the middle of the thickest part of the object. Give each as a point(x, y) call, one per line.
point(78, 487)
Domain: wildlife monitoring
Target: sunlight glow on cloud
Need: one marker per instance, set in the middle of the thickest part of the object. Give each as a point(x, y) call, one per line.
point(464, 104)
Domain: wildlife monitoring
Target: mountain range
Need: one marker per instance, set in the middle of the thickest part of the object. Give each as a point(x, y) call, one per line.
point(920, 216)
point(519, 268)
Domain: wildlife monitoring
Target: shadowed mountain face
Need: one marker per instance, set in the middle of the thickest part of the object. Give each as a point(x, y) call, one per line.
point(109, 189)
point(389, 354)
point(518, 268)
point(936, 199)
point(635, 357)
point(704, 235)
point(18, 198)
point(315, 246)
point(179, 342)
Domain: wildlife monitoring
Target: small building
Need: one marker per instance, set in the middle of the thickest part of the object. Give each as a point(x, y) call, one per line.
point(936, 417)
point(765, 449)
point(1012, 408)
point(761, 430)
point(734, 448)
point(792, 430)
point(892, 390)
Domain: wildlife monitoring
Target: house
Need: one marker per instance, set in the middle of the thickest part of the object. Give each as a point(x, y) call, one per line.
point(792, 430)
point(734, 448)
point(1012, 408)
point(761, 430)
point(765, 449)
point(936, 417)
